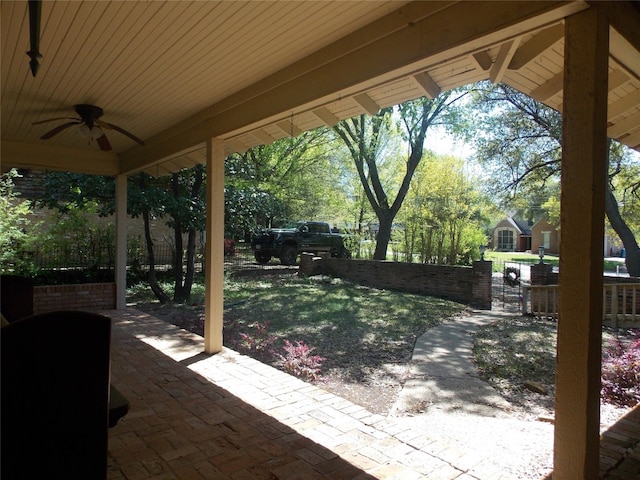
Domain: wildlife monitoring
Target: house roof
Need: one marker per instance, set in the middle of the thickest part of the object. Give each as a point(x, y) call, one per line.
point(178, 73)
point(522, 225)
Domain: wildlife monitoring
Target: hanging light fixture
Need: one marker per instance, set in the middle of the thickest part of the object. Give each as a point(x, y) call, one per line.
point(35, 12)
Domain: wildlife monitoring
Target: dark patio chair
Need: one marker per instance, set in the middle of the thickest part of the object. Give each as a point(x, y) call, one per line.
point(55, 395)
point(16, 297)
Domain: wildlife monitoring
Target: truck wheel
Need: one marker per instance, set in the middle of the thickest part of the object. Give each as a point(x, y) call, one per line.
point(344, 253)
point(262, 257)
point(289, 255)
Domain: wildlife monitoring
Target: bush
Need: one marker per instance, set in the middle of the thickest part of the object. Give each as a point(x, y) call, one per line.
point(258, 345)
point(298, 360)
point(621, 373)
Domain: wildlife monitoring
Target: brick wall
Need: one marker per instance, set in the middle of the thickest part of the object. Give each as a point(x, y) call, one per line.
point(88, 296)
point(469, 285)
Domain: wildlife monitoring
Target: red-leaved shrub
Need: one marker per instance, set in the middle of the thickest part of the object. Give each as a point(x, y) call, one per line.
point(259, 344)
point(298, 360)
point(621, 373)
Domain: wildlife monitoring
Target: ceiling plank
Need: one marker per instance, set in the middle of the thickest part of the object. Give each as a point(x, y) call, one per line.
point(632, 140)
point(372, 55)
point(367, 103)
point(237, 145)
point(623, 105)
point(289, 128)
point(506, 53)
point(536, 46)
point(428, 85)
point(629, 124)
point(263, 137)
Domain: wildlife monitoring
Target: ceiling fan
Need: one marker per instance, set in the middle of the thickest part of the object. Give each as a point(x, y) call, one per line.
point(91, 126)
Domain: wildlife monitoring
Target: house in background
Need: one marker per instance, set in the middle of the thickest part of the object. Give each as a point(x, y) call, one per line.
point(546, 234)
point(511, 235)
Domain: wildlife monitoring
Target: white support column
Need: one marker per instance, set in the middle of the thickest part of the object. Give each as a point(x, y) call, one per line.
point(121, 241)
point(214, 253)
point(584, 172)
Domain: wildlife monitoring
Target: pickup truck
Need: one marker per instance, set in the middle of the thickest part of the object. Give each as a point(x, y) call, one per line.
point(288, 242)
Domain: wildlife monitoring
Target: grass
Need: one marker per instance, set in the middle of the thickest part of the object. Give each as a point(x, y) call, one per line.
point(499, 258)
point(514, 350)
point(356, 328)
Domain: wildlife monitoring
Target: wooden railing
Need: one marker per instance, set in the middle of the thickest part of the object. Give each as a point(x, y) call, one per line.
point(621, 303)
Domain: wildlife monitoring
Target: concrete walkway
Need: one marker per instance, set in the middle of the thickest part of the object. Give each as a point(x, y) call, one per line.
point(442, 374)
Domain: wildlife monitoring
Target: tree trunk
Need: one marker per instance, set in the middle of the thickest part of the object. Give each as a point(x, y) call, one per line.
point(153, 282)
point(632, 250)
point(384, 235)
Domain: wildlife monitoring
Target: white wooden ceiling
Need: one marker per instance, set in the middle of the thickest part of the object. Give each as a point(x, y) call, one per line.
point(175, 73)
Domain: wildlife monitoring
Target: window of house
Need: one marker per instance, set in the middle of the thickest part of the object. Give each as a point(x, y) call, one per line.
point(505, 240)
point(546, 239)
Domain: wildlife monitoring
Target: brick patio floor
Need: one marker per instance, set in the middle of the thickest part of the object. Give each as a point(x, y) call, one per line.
point(227, 416)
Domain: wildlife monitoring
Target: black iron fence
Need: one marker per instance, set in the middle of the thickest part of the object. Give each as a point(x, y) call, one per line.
point(238, 257)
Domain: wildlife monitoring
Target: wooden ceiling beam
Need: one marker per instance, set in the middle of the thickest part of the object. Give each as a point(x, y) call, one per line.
point(367, 103)
point(536, 46)
point(549, 88)
point(51, 157)
point(483, 59)
point(289, 128)
point(326, 117)
point(427, 84)
point(506, 53)
point(263, 137)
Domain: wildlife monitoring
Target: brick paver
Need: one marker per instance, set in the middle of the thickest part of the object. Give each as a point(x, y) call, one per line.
point(227, 416)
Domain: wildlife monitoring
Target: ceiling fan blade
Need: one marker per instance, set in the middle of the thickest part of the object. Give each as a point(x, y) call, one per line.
point(55, 119)
point(103, 143)
point(58, 129)
point(121, 130)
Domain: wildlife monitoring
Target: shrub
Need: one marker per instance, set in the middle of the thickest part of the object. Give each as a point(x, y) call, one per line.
point(298, 360)
point(621, 373)
point(258, 344)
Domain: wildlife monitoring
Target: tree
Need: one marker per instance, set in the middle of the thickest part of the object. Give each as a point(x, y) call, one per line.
point(442, 216)
point(14, 220)
point(177, 198)
point(290, 179)
point(365, 136)
point(520, 141)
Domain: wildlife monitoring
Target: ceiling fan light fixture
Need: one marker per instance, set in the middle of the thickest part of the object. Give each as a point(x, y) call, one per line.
point(89, 133)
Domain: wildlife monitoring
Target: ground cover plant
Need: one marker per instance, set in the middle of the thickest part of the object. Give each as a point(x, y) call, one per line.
point(523, 349)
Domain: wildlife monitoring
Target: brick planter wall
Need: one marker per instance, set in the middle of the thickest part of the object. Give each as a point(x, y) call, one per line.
point(469, 285)
point(88, 296)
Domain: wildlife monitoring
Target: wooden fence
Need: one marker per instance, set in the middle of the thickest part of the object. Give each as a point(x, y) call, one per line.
point(621, 301)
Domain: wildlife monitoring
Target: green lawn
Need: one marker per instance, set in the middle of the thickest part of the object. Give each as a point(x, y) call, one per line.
point(355, 327)
point(520, 257)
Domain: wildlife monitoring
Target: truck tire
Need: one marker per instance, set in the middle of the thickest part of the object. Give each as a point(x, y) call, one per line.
point(344, 253)
point(289, 255)
point(262, 258)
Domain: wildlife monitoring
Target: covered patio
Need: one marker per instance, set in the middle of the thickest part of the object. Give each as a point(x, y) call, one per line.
point(228, 416)
point(197, 81)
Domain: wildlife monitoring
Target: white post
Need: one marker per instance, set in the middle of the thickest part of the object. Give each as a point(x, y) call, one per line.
point(121, 242)
point(214, 248)
point(584, 172)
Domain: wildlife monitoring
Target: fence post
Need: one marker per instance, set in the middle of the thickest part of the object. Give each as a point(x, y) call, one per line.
point(614, 305)
point(481, 289)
